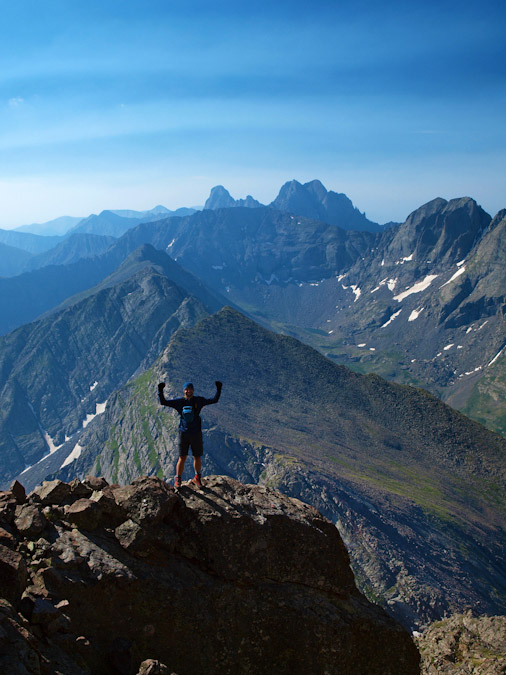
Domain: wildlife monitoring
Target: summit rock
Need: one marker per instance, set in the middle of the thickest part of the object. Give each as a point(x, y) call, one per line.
point(107, 600)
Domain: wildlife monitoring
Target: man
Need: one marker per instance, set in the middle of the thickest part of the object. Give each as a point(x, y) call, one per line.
point(190, 427)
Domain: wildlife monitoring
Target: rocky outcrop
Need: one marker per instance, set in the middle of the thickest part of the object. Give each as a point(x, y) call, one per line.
point(464, 644)
point(140, 579)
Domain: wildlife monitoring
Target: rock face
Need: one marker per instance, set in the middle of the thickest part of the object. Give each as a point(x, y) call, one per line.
point(230, 579)
point(466, 645)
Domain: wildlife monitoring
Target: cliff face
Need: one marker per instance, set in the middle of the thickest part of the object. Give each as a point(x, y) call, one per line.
point(231, 579)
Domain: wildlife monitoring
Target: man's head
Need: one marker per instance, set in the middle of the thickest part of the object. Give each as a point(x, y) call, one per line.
point(188, 389)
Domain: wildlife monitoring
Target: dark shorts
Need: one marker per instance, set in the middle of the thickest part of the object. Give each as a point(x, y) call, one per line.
point(193, 441)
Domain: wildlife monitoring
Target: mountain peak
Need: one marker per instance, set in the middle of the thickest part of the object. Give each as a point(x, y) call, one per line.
point(220, 198)
point(313, 200)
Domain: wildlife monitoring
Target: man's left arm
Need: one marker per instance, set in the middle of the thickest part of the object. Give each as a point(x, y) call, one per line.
point(216, 397)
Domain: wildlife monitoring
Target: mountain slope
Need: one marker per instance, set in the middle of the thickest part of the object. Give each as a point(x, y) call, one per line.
point(414, 486)
point(12, 260)
point(441, 275)
point(57, 226)
point(59, 371)
point(33, 243)
point(70, 250)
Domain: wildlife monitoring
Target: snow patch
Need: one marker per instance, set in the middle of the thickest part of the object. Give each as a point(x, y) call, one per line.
point(362, 344)
point(171, 243)
point(496, 357)
point(75, 454)
point(99, 409)
point(482, 325)
point(356, 290)
point(372, 349)
point(375, 289)
point(415, 314)
point(461, 263)
point(457, 274)
point(448, 346)
point(403, 260)
point(391, 319)
point(417, 288)
point(93, 386)
point(469, 330)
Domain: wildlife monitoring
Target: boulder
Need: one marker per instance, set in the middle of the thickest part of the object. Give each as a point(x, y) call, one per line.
point(147, 501)
point(228, 579)
point(18, 492)
point(13, 574)
point(29, 520)
point(84, 513)
point(152, 667)
point(94, 483)
point(52, 492)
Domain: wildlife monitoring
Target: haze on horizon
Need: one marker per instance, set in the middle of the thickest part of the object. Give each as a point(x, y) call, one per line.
point(128, 105)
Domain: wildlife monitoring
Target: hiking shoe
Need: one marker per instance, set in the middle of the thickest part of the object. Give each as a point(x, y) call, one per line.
point(177, 482)
point(197, 480)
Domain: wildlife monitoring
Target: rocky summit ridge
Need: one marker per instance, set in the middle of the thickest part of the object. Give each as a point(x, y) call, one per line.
point(103, 579)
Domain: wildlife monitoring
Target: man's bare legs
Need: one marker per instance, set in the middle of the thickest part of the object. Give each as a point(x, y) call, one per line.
point(197, 465)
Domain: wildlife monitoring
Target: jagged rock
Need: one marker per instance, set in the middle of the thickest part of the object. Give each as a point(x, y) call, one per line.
point(52, 492)
point(13, 573)
point(95, 483)
point(84, 513)
point(7, 507)
point(18, 492)
point(112, 513)
point(152, 667)
point(464, 645)
point(6, 538)
point(79, 489)
point(147, 501)
point(107, 601)
point(29, 520)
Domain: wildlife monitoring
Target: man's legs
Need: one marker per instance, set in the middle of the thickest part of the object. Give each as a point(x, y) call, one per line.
point(197, 464)
point(180, 465)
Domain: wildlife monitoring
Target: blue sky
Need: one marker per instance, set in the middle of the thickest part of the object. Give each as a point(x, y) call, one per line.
point(131, 104)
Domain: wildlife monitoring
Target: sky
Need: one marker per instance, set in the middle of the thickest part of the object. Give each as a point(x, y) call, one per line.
point(129, 104)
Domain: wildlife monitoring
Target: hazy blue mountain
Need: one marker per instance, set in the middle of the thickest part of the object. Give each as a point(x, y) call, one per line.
point(55, 371)
point(57, 226)
point(154, 213)
point(413, 486)
point(12, 260)
point(33, 243)
point(116, 223)
point(70, 250)
point(106, 223)
point(26, 296)
point(312, 200)
point(220, 198)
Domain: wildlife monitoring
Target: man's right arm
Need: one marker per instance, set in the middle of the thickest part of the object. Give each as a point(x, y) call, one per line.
point(171, 403)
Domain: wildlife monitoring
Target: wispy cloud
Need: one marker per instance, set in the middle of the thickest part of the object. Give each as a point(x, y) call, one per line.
point(15, 102)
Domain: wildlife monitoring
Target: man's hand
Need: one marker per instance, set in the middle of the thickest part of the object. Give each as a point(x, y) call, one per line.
point(161, 386)
point(219, 385)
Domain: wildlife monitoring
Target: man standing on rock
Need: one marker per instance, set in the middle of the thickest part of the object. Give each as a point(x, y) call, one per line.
point(190, 427)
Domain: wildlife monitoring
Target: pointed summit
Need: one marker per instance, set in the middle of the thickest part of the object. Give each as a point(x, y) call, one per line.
point(313, 200)
point(220, 198)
